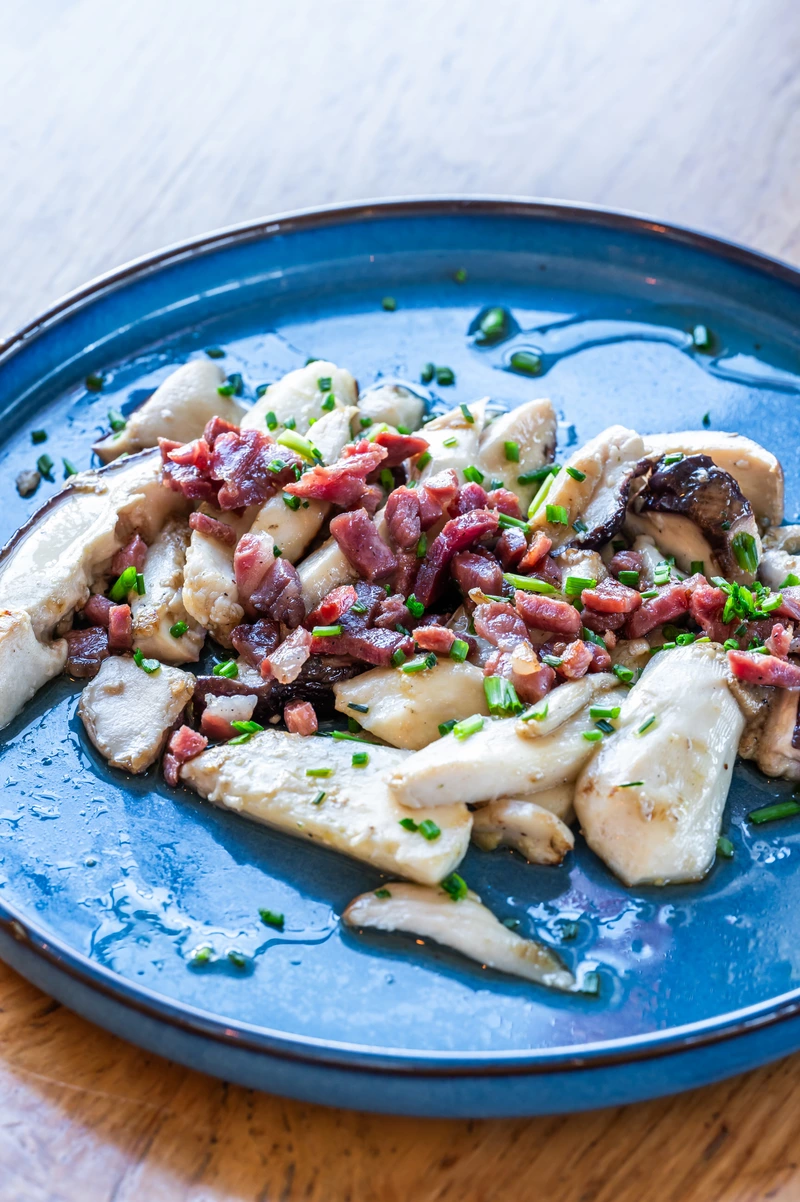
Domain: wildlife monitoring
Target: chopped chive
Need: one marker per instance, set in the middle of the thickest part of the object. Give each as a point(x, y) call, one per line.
point(272, 918)
point(229, 669)
point(706, 420)
point(408, 824)
point(420, 664)
point(123, 585)
point(781, 809)
point(360, 759)
point(178, 630)
point(69, 468)
point(295, 442)
point(398, 657)
point(116, 420)
point(141, 588)
point(526, 363)
point(622, 673)
point(329, 403)
point(505, 522)
point(445, 376)
point(535, 714)
point(38, 436)
point(215, 352)
point(772, 603)
point(629, 578)
point(791, 581)
point(557, 514)
point(576, 475)
point(452, 441)
point(466, 414)
point(701, 338)
point(422, 460)
point(276, 551)
point(324, 383)
point(511, 451)
point(459, 650)
point(455, 885)
point(290, 424)
point(501, 696)
point(237, 959)
point(366, 422)
point(528, 584)
point(44, 465)
point(261, 389)
point(389, 304)
point(201, 955)
point(147, 665)
point(649, 593)
point(319, 771)
point(345, 736)
point(468, 726)
point(553, 661)
point(460, 276)
point(492, 327)
point(429, 830)
point(746, 552)
point(592, 736)
point(574, 585)
point(360, 709)
point(422, 546)
point(403, 430)
point(697, 566)
point(326, 632)
point(631, 784)
point(354, 726)
point(358, 607)
point(382, 893)
point(94, 381)
point(271, 420)
point(604, 726)
point(291, 502)
point(540, 496)
point(474, 475)
point(724, 848)
point(685, 639)
point(603, 711)
point(415, 607)
point(320, 797)
point(446, 727)
point(648, 722)
point(247, 728)
point(674, 458)
point(580, 526)
point(427, 373)
point(539, 474)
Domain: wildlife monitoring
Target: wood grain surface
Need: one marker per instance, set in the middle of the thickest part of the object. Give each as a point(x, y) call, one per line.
point(130, 125)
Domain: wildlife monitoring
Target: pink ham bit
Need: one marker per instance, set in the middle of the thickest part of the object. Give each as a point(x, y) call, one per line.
point(300, 718)
point(547, 613)
point(548, 569)
point(253, 558)
point(540, 546)
point(764, 669)
point(120, 629)
point(343, 482)
point(471, 496)
point(183, 745)
point(504, 501)
point(371, 498)
point(406, 572)
point(392, 612)
point(132, 555)
point(403, 518)
point(576, 660)
point(790, 606)
point(331, 607)
point(512, 546)
point(458, 535)
point(434, 638)
point(256, 641)
point(97, 609)
point(280, 594)
point(530, 687)
point(672, 602)
point(602, 623)
point(706, 604)
point(399, 447)
point(86, 651)
point(499, 623)
point(627, 561)
point(217, 426)
point(374, 647)
point(601, 660)
point(435, 495)
point(362, 545)
point(470, 569)
point(187, 469)
point(244, 462)
point(221, 531)
point(286, 663)
point(779, 642)
point(611, 597)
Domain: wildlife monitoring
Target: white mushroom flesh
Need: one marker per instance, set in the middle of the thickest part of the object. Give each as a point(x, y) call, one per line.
point(467, 434)
point(774, 752)
point(298, 395)
point(392, 404)
point(25, 663)
point(157, 611)
point(781, 556)
point(210, 592)
point(323, 570)
point(536, 832)
point(532, 426)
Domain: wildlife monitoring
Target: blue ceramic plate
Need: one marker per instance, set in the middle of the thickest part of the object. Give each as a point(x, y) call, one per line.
point(107, 882)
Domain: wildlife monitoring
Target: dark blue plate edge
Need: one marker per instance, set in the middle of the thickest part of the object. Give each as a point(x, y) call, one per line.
point(57, 957)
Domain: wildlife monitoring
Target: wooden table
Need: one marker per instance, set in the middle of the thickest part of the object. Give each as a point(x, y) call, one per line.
point(129, 126)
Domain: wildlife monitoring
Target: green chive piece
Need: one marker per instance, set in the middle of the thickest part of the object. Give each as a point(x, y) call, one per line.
point(272, 918)
point(325, 383)
point(536, 713)
point(455, 885)
point(319, 772)
point(427, 373)
point(261, 389)
point(403, 430)
point(505, 522)
point(320, 797)
point(382, 893)
point(622, 673)
point(539, 474)
point(229, 669)
point(629, 578)
point(94, 381)
point(178, 630)
point(574, 585)
point(141, 588)
point(271, 420)
point(408, 824)
point(420, 664)
point(201, 955)
point(422, 460)
point(147, 665)
point(360, 709)
point(603, 711)
point(724, 848)
point(648, 722)
point(544, 489)
point(446, 727)
point(746, 552)
point(296, 442)
point(576, 475)
point(429, 830)
point(237, 959)
point(38, 436)
point(528, 584)
point(604, 726)
point(791, 581)
point(674, 458)
point(247, 728)
point(398, 657)
point(389, 304)
point(580, 526)
point(452, 441)
point(511, 451)
point(44, 465)
point(468, 726)
point(781, 809)
point(649, 593)
point(501, 696)
point(69, 468)
point(116, 420)
point(557, 514)
point(415, 607)
point(460, 276)
point(592, 736)
point(701, 338)
point(631, 784)
point(706, 420)
point(291, 502)
point(467, 415)
point(329, 403)
point(422, 546)
point(215, 352)
point(445, 376)
point(526, 363)
point(685, 639)
point(492, 327)
point(360, 759)
point(123, 585)
point(459, 650)
point(358, 608)
point(326, 632)
point(473, 475)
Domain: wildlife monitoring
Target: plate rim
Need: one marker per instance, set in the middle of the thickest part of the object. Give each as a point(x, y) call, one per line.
point(624, 1050)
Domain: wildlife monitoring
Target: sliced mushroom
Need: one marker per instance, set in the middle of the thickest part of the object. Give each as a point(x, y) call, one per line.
point(532, 427)
point(210, 592)
point(605, 467)
point(650, 802)
point(300, 395)
point(497, 761)
point(406, 710)
point(757, 472)
point(774, 750)
point(323, 570)
point(178, 409)
point(564, 703)
point(333, 431)
point(467, 435)
point(466, 926)
point(25, 663)
point(781, 556)
point(270, 779)
point(156, 612)
point(128, 712)
point(536, 832)
point(580, 561)
point(695, 490)
point(394, 404)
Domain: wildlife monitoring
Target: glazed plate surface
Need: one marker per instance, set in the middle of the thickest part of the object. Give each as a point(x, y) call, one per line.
point(108, 882)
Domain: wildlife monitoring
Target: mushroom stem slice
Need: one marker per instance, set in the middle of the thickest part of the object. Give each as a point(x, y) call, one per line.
point(161, 606)
point(25, 663)
point(775, 752)
point(532, 427)
point(300, 395)
point(564, 703)
point(466, 926)
point(781, 556)
point(537, 833)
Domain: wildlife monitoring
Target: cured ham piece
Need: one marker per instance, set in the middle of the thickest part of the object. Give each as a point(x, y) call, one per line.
point(300, 718)
point(86, 651)
point(213, 528)
point(611, 597)
point(547, 613)
point(764, 669)
point(132, 555)
point(458, 535)
point(362, 545)
point(341, 483)
point(671, 603)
